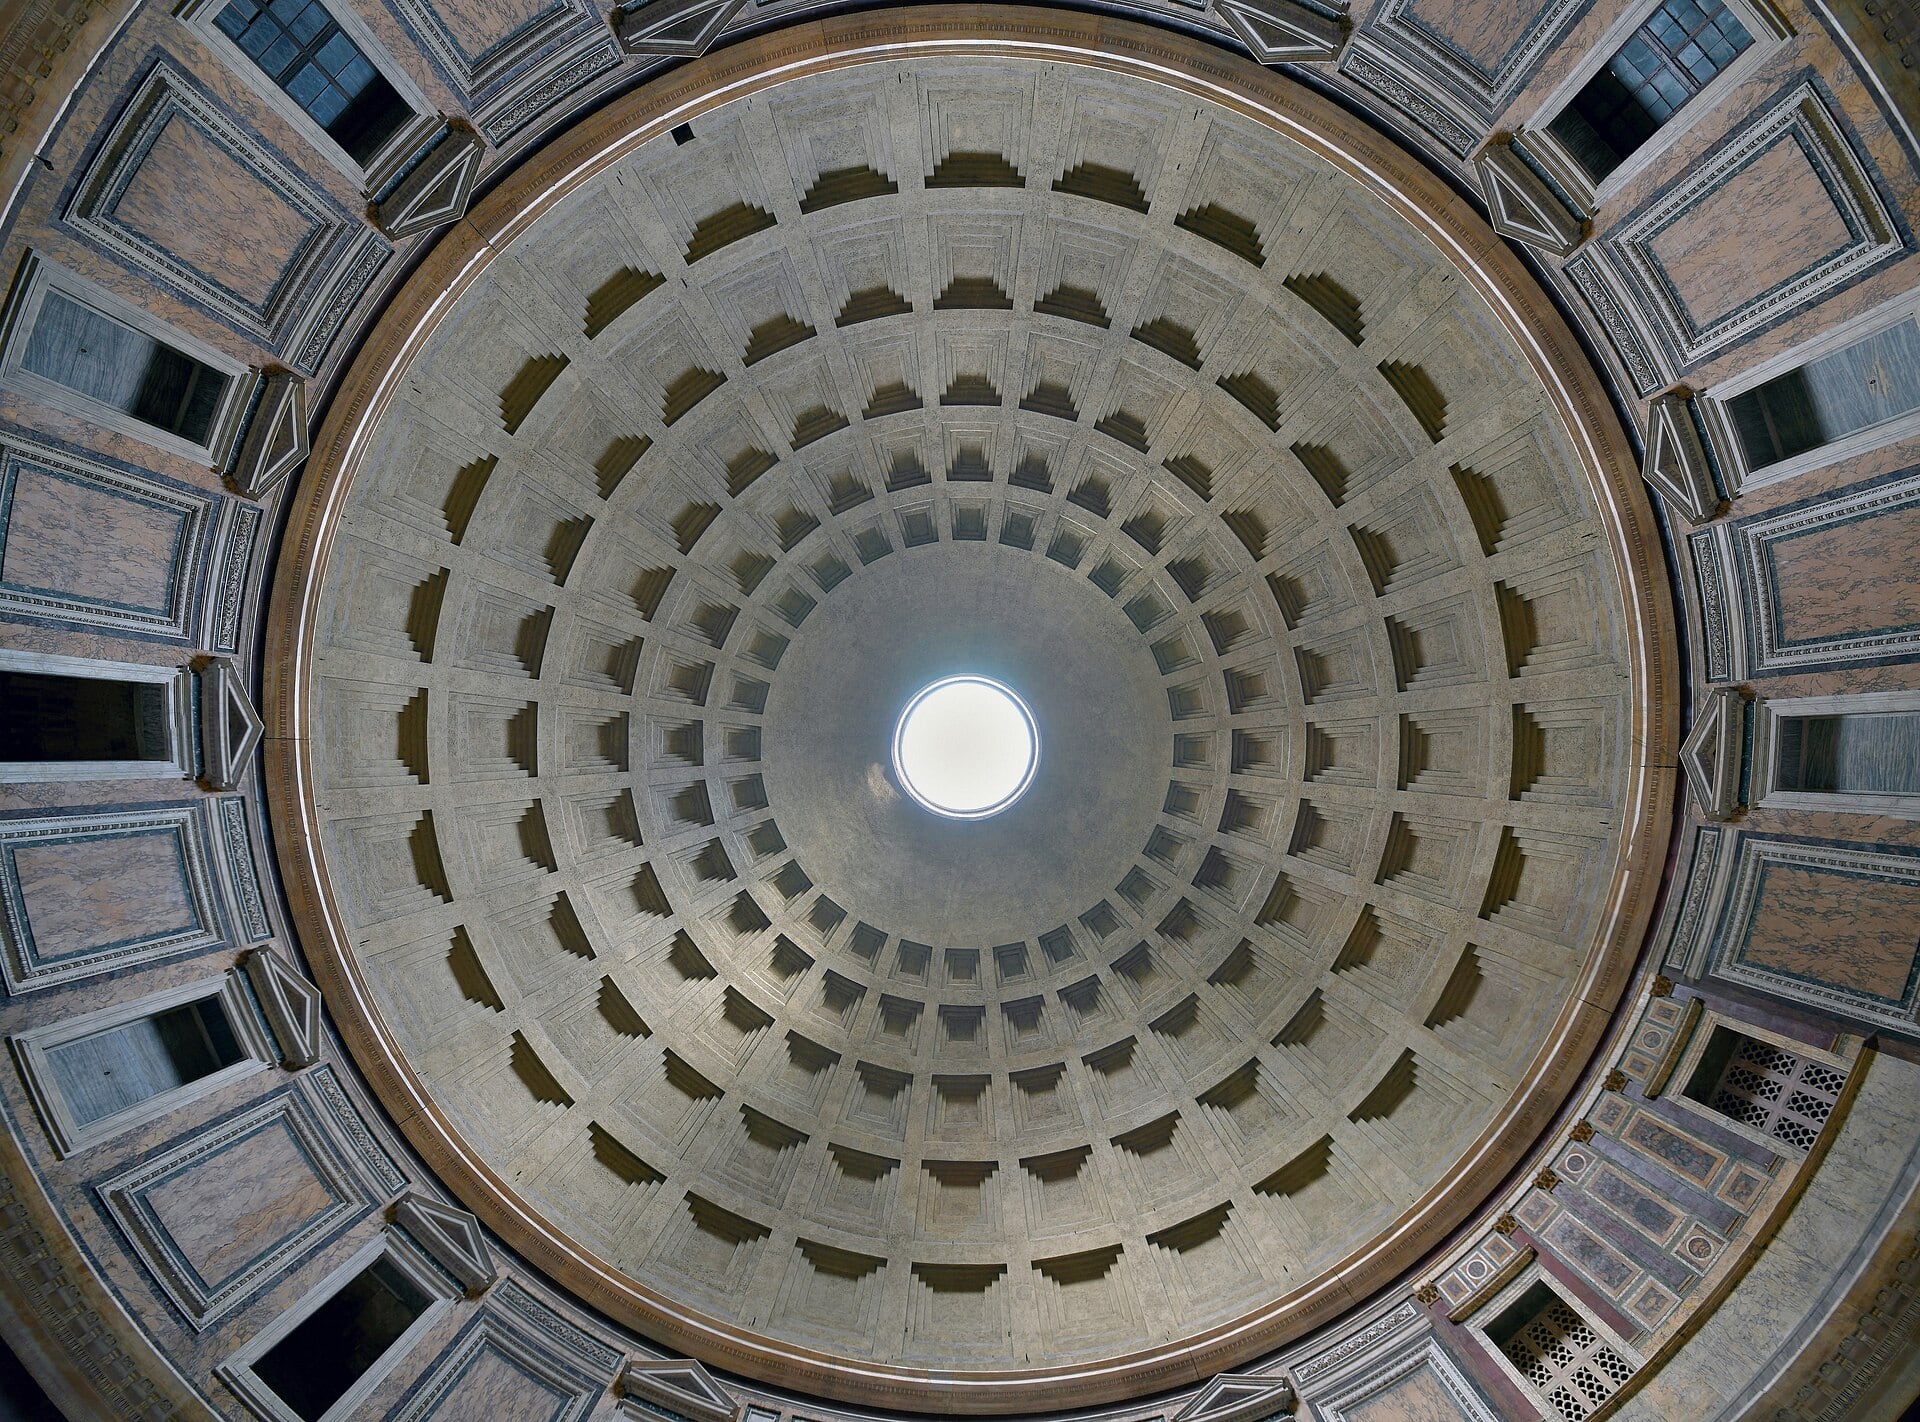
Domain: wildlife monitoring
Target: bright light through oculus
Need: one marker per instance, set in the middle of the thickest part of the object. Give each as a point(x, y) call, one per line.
point(966, 747)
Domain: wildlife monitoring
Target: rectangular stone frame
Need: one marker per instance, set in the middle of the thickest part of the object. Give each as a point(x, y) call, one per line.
point(263, 1402)
point(1696, 1048)
point(1713, 402)
point(37, 277)
point(31, 1048)
point(353, 1194)
point(21, 967)
point(1769, 31)
point(1757, 646)
point(199, 16)
point(1630, 291)
point(1770, 711)
point(178, 682)
point(1754, 853)
point(196, 511)
point(1535, 1273)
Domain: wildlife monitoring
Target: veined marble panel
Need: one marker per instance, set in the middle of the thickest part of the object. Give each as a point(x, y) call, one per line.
point(222, 1212)
point(89, 893)
point(1825, 924)
point(178, 190)
point(98, 545)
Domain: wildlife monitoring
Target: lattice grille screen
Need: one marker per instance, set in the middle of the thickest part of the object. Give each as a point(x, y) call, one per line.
point(1566, 1360)
point(1786, 1096)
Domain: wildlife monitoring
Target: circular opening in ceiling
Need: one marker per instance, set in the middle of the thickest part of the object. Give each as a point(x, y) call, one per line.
point(966, 747)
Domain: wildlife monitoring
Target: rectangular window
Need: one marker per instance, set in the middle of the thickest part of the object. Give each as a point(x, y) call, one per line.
point(104, 1072)
point(312, 1367)
point(70, 718)
point(1774, 1093)
point(1875, 753)
point(106, 360)
point(1682, 46)
point(302, 49)
point(1870, 382)
point(114, 1070)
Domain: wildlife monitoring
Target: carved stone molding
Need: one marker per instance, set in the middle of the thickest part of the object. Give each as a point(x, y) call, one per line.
point(1520, 205)
point(1281, 32)
point(681, 1385)
point(1240, 1397)
point(292, 1006)
point(435, 190)
point(1676, 462)
point(275, 443)
point(1714, 754)
point(682, 28)
point(452, 1236)
point(230, 728)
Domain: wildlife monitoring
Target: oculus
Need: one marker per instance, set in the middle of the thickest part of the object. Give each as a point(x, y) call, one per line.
point(966, 747)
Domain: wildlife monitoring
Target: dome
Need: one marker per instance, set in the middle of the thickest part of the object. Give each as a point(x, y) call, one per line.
point(1189, 716)
point(640, 547)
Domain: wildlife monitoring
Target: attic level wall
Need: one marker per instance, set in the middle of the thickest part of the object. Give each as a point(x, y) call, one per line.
point(1781, 212)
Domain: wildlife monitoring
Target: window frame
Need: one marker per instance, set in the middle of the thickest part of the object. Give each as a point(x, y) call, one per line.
point(1516, 1289)
point(200, 16)
point(1718, 418)
point(178, 682)
point(1703, 1033)
point(253, 1391)
point(1770, 711)
point(1769, 32)
point(38, 277)
point(33, 1050)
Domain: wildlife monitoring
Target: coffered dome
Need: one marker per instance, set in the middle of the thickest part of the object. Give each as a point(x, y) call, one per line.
point(1284, 510)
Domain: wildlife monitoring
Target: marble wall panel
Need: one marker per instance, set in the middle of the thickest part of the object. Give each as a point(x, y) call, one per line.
point(219, 1214)
point(1472, 58)
point(513, 59)
point(1824, 924)
point(518, 1362)
point(98, 545)
point(90, 893)
point(1421, 1384)
point(1781, 214)
point(1826, 581)
point(178, 190)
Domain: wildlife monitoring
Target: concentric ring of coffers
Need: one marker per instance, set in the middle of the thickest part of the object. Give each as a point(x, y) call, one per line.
point(1178, 380)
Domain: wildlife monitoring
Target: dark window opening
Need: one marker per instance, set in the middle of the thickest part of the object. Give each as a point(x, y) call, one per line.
point(107, 1072)
point(1776, 1092)
point(71, 718)
point(333, 1347)
point(1865, 384)
point(76, 346)
point(298, 45)
point(1665, 62)
point(1873, 753)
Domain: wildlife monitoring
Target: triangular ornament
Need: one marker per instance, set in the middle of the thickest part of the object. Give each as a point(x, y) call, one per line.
point(1240, 1397)
point(681, 1386)
point(1676, 461)
point(230, 729)
point(1520, 205)
point(276, 440)
point(292, 1005)
point(436, 191)
point(1281, 32)
point(451, 1236)
point(1714, 753)
point(683, 28)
